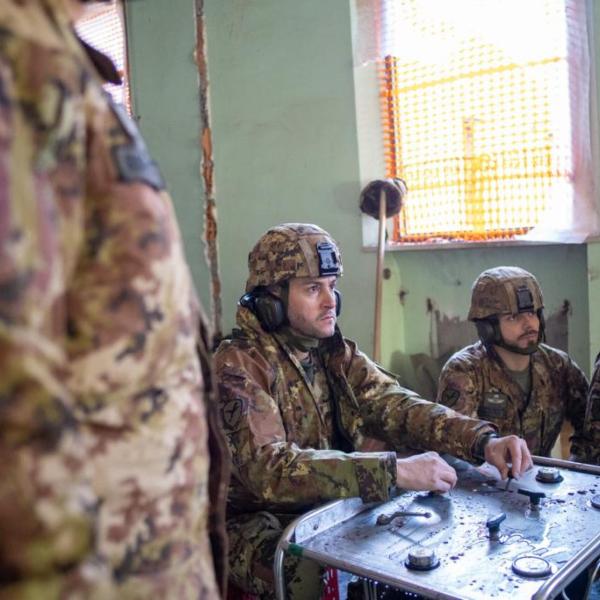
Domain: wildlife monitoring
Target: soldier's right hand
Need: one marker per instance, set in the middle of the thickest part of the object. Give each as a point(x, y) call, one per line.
point(425, 471)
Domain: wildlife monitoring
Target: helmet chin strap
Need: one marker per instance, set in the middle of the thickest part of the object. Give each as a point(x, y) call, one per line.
point(526, 351)
point(531, 349)
point(297, 340)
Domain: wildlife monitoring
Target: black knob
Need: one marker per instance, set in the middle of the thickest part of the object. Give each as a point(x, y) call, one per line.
point(534, 497)
point(493, 525)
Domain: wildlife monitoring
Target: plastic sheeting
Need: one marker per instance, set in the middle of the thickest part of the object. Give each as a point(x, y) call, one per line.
point(572, 215)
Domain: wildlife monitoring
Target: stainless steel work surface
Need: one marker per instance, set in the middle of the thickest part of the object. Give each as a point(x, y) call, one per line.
point(535, 549)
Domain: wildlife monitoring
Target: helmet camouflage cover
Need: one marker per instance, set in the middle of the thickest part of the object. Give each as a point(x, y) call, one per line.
point(292, 250)
point(504, 290)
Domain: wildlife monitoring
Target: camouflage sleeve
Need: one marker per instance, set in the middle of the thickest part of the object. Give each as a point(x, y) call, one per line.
point(457, 388)
point(273, 469)
point(576, 389)
point(590, 451)
point(44, 529)
point(403, 418)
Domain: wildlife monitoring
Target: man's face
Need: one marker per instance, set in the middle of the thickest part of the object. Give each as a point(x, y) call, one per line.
point(311, 306)
point(520, 330)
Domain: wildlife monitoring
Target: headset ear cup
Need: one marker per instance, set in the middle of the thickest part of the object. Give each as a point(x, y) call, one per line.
point(486, 331)
point(270, 311)
point(338, 302)
point(542, 336)
point(247, 301)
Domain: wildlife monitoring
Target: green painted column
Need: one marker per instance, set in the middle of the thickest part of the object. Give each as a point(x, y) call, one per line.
point(164, 85)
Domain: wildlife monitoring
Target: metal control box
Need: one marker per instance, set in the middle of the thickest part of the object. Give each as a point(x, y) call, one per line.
point(525, 538)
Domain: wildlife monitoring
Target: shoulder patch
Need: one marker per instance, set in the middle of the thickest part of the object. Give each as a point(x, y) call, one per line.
point(132, 160)
point(450, 396)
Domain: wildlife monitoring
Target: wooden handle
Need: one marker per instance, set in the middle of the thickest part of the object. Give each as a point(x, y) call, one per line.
point(379, 278)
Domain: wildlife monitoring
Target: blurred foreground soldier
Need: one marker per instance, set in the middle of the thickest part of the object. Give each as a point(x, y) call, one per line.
point(104, 466)
point(510, 377)
point(297, 399)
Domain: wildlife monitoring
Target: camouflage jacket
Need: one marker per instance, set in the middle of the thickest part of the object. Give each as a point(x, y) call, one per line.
point(592, 417)
point(475, 383)
point(283, 460)
point(104, 464)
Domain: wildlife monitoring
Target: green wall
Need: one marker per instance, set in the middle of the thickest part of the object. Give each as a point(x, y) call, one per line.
point(282, 101)
point(286, 148)
point(164, 89)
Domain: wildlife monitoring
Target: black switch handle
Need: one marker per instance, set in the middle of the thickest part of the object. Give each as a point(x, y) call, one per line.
point(534, 497)
point(493, 525)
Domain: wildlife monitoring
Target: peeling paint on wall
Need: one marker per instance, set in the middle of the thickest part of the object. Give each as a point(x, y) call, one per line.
point(557, 327)
point(452, 333)
point(207, 171)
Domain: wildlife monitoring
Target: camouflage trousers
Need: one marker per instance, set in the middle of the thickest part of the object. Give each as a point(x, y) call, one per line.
point(252, 543)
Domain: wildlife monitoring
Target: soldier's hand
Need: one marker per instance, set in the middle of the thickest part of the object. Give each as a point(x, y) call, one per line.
point(509, 449)
point(425, 471)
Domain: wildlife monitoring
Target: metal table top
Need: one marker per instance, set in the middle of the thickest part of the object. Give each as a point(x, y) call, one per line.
point(562, 535)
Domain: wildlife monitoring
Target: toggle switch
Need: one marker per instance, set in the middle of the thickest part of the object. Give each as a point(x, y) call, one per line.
point(493, 525)
point(534, 497)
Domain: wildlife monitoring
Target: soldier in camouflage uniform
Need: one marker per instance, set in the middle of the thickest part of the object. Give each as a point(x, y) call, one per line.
point(509, 377)
point(592, 417)
point(104, 465)
point(298, 399)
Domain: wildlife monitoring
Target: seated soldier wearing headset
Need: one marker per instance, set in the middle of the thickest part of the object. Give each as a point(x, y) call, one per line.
point(297, 400)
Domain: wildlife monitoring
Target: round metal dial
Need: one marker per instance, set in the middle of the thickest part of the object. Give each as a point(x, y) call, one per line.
point(531, 566)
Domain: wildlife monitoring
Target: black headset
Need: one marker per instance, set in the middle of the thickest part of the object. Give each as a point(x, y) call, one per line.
point(270, 310)
point(488, 331)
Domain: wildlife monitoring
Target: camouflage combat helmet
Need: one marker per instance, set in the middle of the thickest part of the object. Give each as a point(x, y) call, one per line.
point(292, 250)
point(505, 290)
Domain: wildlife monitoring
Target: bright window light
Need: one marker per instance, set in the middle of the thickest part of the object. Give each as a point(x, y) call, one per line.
point(103, 28)
point(477, 115)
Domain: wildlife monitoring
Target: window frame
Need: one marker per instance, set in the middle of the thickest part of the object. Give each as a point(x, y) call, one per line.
point(370, 135)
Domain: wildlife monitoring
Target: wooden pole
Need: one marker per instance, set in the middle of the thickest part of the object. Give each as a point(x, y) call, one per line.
point(379, 278)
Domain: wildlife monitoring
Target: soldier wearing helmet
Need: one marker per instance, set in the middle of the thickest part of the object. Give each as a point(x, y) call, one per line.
point(106, 410)
point(297, 400)
point(510, 377)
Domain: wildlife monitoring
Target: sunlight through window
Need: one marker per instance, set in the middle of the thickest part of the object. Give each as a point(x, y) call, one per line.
point(477, 116)
point(103, 28)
